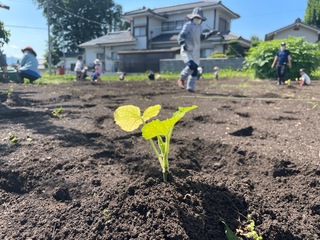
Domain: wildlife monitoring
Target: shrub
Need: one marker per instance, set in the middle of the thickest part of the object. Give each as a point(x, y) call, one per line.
point(304, 55)
point(218, 55)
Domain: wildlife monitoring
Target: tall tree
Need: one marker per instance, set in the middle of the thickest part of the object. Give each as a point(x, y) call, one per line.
point(4, 34)
point(312, 15)
point(77, 21)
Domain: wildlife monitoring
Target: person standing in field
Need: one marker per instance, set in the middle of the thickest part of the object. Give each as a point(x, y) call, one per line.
point(283, 60)
point(81, 71)
point(190, 39)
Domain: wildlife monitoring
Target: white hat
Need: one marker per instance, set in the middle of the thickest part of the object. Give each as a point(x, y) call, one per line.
point(197, 12)
point(97, 61)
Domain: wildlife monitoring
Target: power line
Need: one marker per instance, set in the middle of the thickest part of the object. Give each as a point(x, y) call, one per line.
point(83, 18)
point(16, 26)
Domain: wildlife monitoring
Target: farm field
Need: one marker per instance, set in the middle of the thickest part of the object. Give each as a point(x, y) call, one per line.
point(250, 148)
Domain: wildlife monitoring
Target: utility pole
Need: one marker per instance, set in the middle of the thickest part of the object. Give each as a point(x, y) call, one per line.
point(49, 38)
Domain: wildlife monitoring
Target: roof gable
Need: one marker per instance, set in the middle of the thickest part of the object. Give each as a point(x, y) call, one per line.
point(163, 11)
point(296, 25)
point(111, 38)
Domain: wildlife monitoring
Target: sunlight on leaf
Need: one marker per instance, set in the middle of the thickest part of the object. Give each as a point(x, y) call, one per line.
point(128, 117)
point(151, 112)
point(162, 128)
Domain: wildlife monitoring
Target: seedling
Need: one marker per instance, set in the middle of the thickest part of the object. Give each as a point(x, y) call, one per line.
point(288, 82)
point(129, 118)
point(12, 138)
point(57, 112)
point(10, 91)
point(246, 231)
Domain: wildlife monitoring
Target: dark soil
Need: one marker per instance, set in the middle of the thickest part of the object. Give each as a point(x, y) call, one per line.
point(250, 147)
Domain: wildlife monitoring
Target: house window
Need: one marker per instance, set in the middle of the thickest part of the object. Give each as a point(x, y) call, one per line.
point(179, 25)
point(100, 56)
point(114, 56)
point(173, 25)
point(139, 31)
point(168, 26)
point(223, 25)
point(204, 53)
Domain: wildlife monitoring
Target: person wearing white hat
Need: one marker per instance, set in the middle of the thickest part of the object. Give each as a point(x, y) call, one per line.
point(95, 76)
point(189, 39)
point(304, 80)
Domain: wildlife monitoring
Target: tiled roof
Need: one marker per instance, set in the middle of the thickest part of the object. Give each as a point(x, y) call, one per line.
point(166, 37)
point(163, 11)
point(110, 38)
point(174, 8)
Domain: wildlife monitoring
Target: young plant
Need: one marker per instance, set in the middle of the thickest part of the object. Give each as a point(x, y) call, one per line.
point(249, 231)
point(129, 119)
point(57, 112)
point(10, 91)
point(12, 138)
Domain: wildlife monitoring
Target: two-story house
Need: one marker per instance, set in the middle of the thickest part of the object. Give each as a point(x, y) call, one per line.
point(153, 35)
point(296, 29)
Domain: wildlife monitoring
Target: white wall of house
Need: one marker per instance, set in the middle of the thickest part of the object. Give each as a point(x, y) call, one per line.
point(155, 27)
point(140, 32)
point(69, 62)
point(307, 34)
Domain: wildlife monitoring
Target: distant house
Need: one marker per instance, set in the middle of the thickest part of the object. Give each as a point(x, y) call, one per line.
point(69, 60)
point(297, 29)
point(153, 36)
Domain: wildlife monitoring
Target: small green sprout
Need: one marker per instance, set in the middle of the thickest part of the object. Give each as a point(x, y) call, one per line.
point(57, 112)
point(12, 138)
point(288, 82)
point(248, 231)
point(129, 119)
point(10, 91)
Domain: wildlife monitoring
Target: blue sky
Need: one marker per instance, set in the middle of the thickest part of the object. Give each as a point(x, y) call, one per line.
point(257, 18)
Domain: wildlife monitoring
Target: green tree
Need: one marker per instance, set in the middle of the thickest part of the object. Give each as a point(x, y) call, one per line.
point(304, 55)
point(312, 15)
point(235, 49)
point(74, 22)
point(4, 34)
point(255, 41)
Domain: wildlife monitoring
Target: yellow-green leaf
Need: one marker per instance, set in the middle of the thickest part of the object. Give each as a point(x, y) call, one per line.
point(156, 128)
point(128, 117)
point(151, 112)
point(162, 128)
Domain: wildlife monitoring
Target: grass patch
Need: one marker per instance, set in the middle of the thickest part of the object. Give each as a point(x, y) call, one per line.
point(68, 78)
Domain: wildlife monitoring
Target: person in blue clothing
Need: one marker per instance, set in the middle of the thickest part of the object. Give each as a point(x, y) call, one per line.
point(29, 65)
point(190, 39)
point(283, 60)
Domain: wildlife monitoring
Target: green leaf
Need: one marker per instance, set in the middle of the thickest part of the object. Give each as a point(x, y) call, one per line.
point(229, 234)
point(128, 117)
point(151, 112)
point(156, 128)
point(162, 128)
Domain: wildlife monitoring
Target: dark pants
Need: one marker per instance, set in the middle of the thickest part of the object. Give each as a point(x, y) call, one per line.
point(281, 72)
point(24, 75)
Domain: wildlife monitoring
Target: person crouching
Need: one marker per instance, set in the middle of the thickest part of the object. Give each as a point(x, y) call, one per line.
point(29, 65)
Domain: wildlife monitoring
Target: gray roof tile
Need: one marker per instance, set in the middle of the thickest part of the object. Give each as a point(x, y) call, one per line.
point(110, 38)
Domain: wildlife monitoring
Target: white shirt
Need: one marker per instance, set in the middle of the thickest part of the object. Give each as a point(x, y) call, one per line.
point(305, 78)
